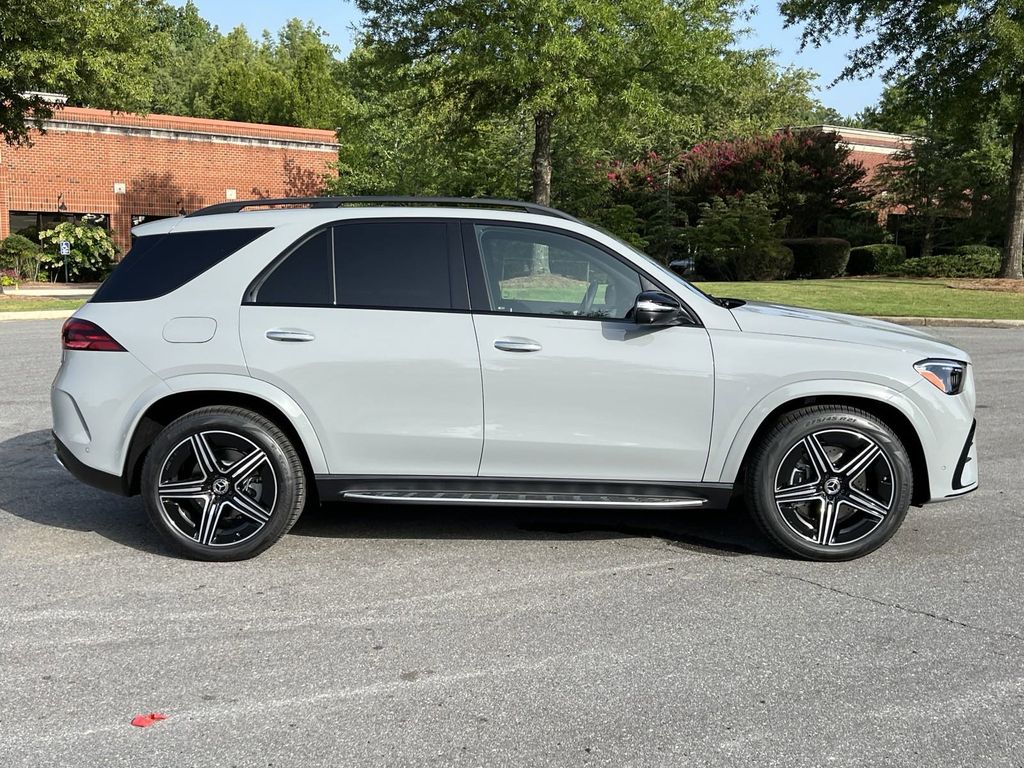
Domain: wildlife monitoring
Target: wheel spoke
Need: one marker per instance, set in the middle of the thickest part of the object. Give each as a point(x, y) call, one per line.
point(185, 489)
point(249, 507)
point(853, 468)
point(243, 467)
point(204, 454)
point(798, 494)
point(864, 503)
point(827, 523)
point(207, 529)
point(819, 458)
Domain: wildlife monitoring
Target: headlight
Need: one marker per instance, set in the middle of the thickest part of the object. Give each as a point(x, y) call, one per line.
point(947, 375)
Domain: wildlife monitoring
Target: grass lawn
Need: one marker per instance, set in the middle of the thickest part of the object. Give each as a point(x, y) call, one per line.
point(31, 303)
point(884, 297)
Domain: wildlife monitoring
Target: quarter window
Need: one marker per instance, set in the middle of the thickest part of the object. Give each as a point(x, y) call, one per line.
point(304, 277)
point(532, 271)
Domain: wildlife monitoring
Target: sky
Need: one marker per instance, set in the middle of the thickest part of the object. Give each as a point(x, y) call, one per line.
point(337, 17)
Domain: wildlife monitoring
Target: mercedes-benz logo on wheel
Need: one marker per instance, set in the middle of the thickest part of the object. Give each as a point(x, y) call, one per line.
point(833, 486)
point(221, 486)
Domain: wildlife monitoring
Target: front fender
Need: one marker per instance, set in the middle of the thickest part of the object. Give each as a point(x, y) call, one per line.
point(725, 457)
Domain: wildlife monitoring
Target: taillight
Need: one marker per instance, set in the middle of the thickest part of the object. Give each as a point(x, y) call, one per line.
point(81, 334)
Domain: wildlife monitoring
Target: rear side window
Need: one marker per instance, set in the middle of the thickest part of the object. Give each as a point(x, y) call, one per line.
point(380, 264)
point(392, 264)
point(159, 264)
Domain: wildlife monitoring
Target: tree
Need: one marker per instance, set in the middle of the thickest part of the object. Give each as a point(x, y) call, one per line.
point(964, 58)
point(96, 52)
point(551, 61)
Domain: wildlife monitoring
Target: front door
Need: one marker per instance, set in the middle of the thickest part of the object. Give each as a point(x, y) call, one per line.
point(573, 389)
point(366, 326)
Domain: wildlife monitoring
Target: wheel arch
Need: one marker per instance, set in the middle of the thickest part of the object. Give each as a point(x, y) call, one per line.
point(885, 410)
point(161, 412)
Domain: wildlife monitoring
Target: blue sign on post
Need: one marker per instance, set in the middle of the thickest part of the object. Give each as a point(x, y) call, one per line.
point(65, 248)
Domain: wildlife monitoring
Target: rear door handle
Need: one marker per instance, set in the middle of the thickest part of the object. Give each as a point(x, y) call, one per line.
point(289, 334)
point(517, 344)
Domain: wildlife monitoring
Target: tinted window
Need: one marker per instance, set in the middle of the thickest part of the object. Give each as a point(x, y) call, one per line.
point(392, 264)
point(304, 277)
point(531, 271)
point(159, 264)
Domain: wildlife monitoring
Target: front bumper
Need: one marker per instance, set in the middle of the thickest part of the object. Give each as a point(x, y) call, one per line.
point(965, 476)
point(85, 473)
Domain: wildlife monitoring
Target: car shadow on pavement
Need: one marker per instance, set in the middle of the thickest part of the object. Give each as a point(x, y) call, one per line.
point(34, 487)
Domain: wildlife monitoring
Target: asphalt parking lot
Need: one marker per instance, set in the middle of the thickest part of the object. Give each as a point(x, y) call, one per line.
point(418, 636)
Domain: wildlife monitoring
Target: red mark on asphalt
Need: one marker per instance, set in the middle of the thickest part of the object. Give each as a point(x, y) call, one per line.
point(144, 721)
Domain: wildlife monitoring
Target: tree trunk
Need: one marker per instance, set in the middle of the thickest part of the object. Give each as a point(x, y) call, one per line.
point(542, 157)
point(928, 238)
point(1014, 244)
point(540, 263)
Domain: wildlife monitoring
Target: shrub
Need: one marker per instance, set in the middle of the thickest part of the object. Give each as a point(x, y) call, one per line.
point(738, 240)
point(875, 259)
point(974, 250)
point(818, 257)
point(950, 265)
point(19, 254)
point(8, 277)
point(92, 251)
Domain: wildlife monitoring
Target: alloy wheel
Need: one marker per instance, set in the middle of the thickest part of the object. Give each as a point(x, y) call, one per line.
point(217, 488)
point(835, 486)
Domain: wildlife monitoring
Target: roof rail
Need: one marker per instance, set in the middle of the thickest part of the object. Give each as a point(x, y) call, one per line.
point(338, 202)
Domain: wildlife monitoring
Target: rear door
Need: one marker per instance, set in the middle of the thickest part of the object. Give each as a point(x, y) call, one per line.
point(366, 325)
point(573, 389)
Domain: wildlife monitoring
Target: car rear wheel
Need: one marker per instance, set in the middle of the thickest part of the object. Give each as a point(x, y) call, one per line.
point(830, 483)
point(223, 483)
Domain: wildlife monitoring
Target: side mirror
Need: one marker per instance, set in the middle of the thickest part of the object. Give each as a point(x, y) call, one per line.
point(657, 308)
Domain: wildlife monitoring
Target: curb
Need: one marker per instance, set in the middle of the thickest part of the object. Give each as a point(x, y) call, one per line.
point(951, 322)
point(37, 314)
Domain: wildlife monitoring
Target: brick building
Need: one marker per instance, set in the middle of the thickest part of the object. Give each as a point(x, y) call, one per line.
point(870, 148)
point(118, 170)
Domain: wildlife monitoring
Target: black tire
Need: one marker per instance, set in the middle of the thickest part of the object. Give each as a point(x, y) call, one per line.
point(851, 513)
point(219, 508)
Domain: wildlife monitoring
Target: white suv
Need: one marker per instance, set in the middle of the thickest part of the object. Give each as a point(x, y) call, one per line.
point(254, 357)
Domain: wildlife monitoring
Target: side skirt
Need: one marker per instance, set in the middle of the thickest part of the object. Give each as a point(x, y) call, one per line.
point(522, 492)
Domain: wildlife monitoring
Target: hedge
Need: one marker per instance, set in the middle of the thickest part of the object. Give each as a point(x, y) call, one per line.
point(966, 261)
point(818, 257)
point(875, 259)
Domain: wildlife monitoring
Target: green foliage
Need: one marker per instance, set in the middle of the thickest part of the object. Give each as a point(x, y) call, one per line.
point(877, 259)
point(806, 177)
point(9, 277)
point(19, 254)
point(605, 79)
point(977, 264)
point(963, 61)
point(738, 239)
point(986, 251)
point(92, 251)
point(818, 257)
point(97, 52)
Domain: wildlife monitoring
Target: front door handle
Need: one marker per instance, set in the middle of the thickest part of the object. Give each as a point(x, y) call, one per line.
point(289, 334)
point(517, 344)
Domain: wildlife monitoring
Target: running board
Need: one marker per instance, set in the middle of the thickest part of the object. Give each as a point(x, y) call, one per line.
point(513, 499)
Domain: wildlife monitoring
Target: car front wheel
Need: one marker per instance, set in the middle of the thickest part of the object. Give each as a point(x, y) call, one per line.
point(223, 483)
point(830, 483)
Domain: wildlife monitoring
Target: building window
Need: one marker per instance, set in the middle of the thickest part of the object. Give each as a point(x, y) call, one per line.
point(29, 223)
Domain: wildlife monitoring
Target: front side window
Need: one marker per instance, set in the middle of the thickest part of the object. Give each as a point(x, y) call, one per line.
point(536, 272)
